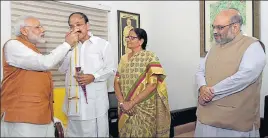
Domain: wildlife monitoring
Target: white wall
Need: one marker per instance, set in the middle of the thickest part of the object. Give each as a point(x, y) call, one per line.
point(173, 34)
point(5, 26)
point(264, 39)
point(175, 39)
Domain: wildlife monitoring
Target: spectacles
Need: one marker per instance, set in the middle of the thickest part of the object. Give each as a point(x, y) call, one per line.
point(77, 25)
point(220, 27)
point(131, 37)
point(37, 27)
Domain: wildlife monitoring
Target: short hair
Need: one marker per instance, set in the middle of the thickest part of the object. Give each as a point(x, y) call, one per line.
point(19, 23)
point(79, 13)
point(141, 34)
point(237, 19)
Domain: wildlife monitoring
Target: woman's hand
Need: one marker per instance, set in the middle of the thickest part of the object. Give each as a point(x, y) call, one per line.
point(127, 106)
point(131, 112)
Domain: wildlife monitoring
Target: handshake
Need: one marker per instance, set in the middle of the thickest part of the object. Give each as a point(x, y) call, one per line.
point(206, 94)
point(72, 37)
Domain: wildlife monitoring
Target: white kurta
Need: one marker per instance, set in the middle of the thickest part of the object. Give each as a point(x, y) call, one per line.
point(20, 56)
point(95, 57)
point(250, 68)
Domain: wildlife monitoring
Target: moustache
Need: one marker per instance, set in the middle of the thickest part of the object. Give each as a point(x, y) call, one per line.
point(216, 34)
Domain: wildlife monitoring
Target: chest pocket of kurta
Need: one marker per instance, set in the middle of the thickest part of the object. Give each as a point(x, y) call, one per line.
point(93, 62)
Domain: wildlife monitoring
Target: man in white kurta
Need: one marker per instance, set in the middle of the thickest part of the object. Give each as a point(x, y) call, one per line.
point(94, 56)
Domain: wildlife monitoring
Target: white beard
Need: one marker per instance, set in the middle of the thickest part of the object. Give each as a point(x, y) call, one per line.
point(41, 40)
point(36, 39)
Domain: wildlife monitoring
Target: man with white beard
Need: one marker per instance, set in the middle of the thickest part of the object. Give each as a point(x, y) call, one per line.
point(27, 87)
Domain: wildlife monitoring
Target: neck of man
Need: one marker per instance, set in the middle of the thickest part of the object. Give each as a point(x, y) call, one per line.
point(85, 38)
point(26, 38)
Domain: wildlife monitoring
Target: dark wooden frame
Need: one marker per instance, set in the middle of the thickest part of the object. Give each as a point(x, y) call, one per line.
point(120, 30)
point(255, 23)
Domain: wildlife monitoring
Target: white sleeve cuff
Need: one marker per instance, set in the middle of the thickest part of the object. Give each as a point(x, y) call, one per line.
point(67, 45)
point(96, 76)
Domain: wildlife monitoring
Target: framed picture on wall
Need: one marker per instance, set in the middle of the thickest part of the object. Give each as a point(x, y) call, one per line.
point(249, 11)
point(126, 21)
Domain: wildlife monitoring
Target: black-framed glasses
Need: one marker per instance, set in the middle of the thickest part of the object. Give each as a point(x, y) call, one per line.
point(131, 37)
point(220, 27)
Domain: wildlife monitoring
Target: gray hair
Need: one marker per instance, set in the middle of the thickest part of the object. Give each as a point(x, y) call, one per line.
point(237, 19)
point(19, 23)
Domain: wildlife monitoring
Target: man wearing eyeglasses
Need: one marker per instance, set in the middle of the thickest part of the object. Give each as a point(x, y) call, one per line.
point(229, 81)
point(26, 94)
point(86, 99)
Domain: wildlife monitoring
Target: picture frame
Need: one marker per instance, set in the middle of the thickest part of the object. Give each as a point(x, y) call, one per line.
point(249, 10)
point(126, 21)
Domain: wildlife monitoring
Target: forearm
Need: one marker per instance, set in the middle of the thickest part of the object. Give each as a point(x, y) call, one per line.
point(22, 57)
point(200, 75)
point(55, 56)
point(251, 66)
point(144, 94)
point(103, 74)
point(64, 65)
point(118, 92)
point(234, 84)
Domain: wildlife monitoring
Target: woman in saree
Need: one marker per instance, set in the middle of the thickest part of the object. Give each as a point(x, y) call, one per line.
point(141, 91)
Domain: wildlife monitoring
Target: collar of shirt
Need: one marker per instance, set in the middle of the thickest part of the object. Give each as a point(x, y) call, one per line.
point(91, 39)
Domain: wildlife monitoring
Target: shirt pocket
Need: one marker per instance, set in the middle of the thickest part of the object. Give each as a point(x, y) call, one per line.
point(93, 62)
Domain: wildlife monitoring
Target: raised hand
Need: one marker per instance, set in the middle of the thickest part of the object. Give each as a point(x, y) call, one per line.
point(72, 37)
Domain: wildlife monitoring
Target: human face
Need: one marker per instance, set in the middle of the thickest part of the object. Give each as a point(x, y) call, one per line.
point(78, 22)
point(34, 31)
point(223, 31)
point(133, 40)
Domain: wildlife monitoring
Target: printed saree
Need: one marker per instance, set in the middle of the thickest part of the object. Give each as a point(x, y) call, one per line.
point(152, 115)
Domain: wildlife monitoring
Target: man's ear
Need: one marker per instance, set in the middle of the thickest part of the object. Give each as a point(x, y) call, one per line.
point(236, 27)
point(88, 26)
point(24, 31)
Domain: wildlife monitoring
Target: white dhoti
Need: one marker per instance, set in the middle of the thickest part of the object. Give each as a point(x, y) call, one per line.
point(203, 130)
point(9, 129)
point(98, 127)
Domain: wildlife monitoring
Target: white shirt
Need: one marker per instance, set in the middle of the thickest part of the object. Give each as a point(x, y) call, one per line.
point(20, 56)
point(96, 57)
